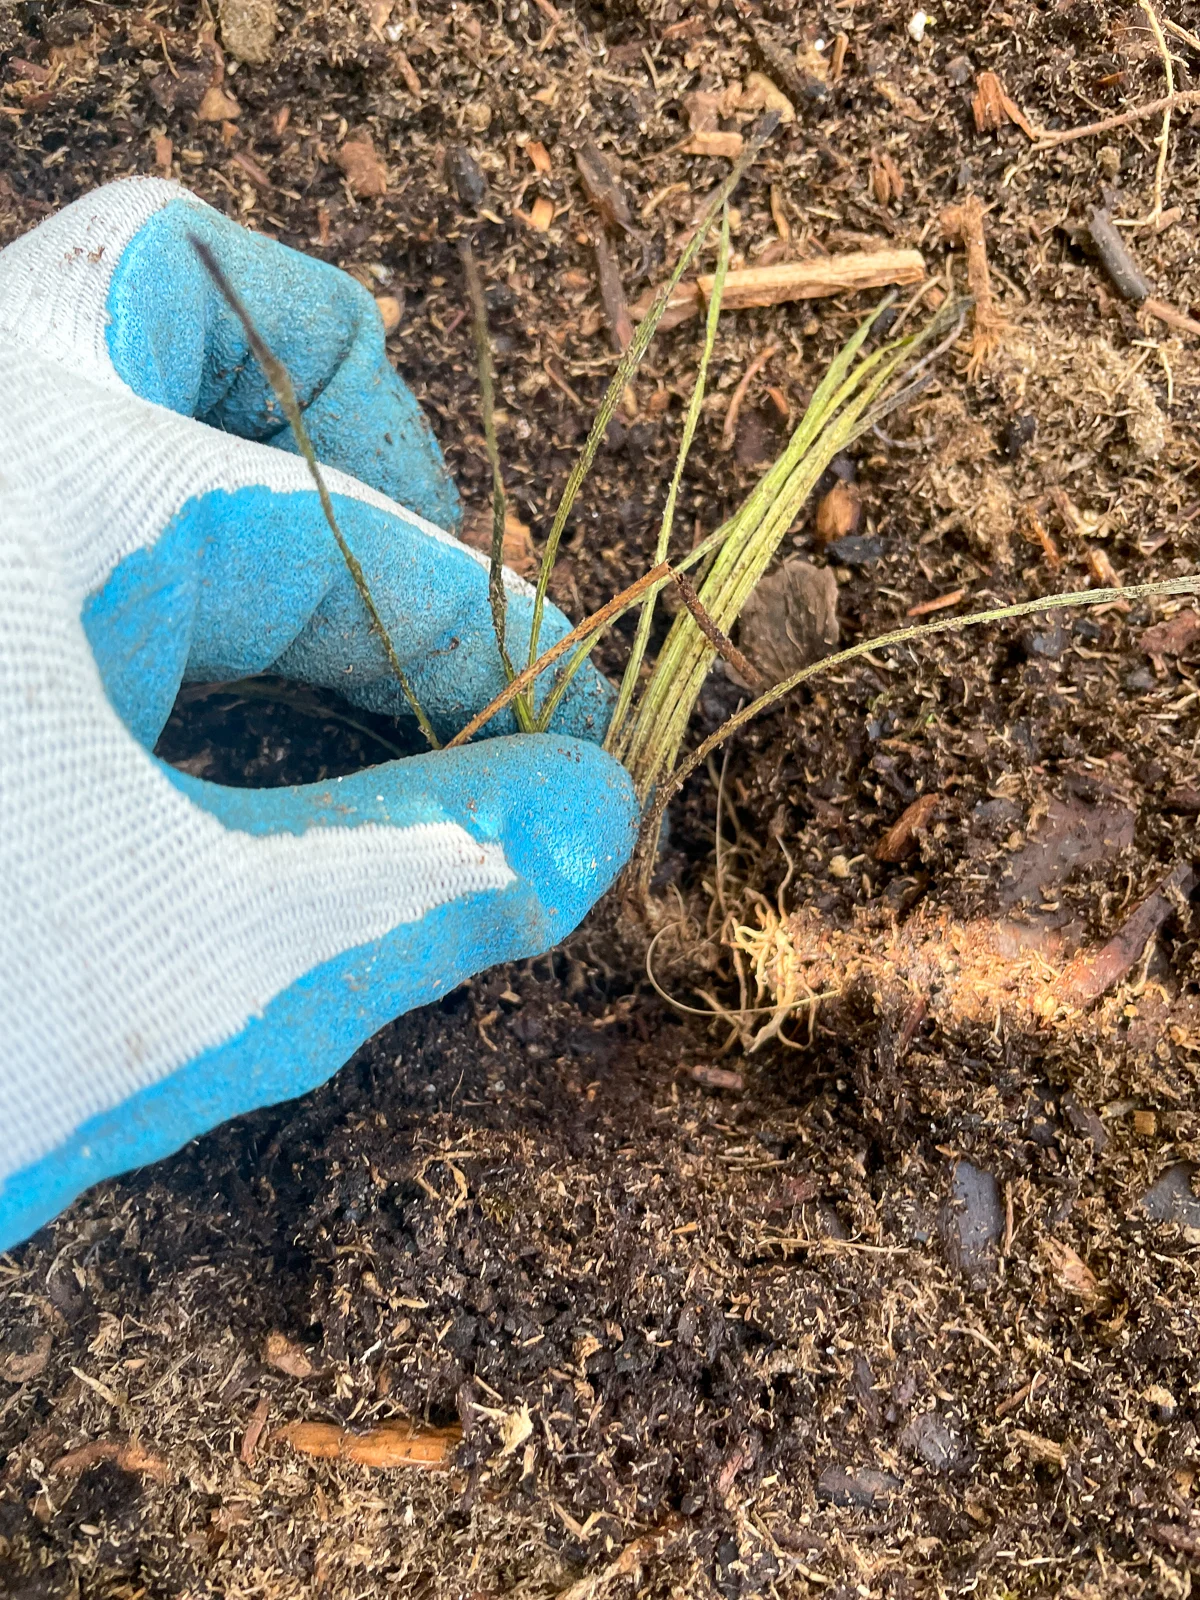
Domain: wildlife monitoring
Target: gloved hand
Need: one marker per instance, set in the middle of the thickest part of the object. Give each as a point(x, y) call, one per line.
point(173, 953)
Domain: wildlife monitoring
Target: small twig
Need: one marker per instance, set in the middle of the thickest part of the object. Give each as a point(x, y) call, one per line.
point(279, 378)
point(599, 619)
point(721, 642)
point(1169, 315)
point(1123, 119)
point(1181, 33)
point(1127, 276)
point(729, 431)
point(628, 366)
point(497, 595)
point(1160, 166)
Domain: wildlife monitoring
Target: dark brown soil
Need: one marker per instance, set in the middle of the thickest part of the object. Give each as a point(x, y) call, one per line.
point(913, 1310)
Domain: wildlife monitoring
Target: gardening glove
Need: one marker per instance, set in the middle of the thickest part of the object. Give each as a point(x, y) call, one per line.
point(173, 953)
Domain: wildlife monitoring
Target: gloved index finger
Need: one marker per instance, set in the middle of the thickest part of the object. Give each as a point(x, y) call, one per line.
point(112, 287)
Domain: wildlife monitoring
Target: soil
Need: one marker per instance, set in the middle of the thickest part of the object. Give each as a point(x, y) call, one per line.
point(893, 1293)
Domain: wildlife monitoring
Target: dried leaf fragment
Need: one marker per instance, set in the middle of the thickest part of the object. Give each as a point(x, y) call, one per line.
point(285, 1355)
point(366, 174)
point(516, 1428)
point(390, 311)
point(1072, 1274)
point(901, 837)
point(602, 188)
point(790, 619)
point(217, 106)
point(392, 1444)
point(540, 214)
point(519, 554)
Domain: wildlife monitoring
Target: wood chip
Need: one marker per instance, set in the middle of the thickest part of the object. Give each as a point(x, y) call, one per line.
point(1089, 974)
point(719, 1078)
point(1172, 637)
point(1042, 1452)
point(366, 174)
point(837, 61)
point(407, 71)
point(392, 1444)
point(540, 214)
point(540, 156)
point(792, 280)
point(711, 142)
point(286, 1356)
point(887, 181)
point(901, 837)
point(254, 1432)
point(217, 106)
point(125, 1453)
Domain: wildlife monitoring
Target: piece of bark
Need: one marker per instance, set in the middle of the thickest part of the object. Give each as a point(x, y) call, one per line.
point(887, 181)
point(602, 188)
point(711, 142)
point(1092, 972)
point(391, 1444)
point(1183, 797)
point(792, 280)
point(719, 1078)
point(612, 295)
point(254, 1432)
point(901, 837)
point(1127, 277)
point(286, 1356)
point(790, 618)
point(1041, 1451)
point(540, 156)
point(1172, 637)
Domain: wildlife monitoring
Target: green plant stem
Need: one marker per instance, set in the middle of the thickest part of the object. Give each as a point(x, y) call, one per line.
point(671, 785)
point(628, 365)
point(834, 418)
point(279, 378)
point(641, 638)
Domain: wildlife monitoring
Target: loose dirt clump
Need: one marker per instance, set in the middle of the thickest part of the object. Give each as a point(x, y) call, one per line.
point(903, 1300)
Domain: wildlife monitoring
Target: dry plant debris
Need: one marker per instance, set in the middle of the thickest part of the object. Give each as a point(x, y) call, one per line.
point(391, 1444)
point(963, 224)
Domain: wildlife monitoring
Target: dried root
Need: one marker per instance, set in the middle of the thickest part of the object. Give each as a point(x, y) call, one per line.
point(963, 224)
